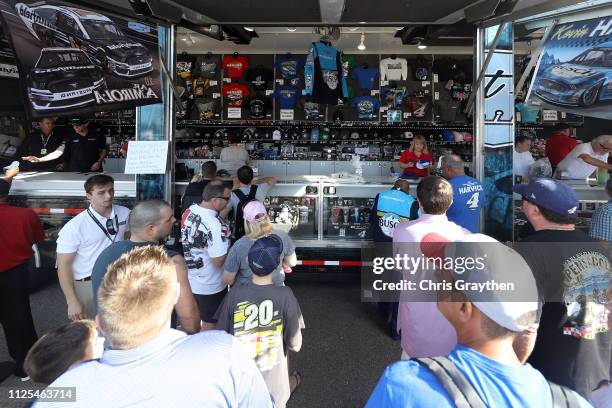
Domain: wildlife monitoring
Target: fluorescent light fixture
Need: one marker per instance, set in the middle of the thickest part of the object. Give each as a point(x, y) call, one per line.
point(421, 46)
point(249, 28)
point(352, 28)
point(291, 29)
point(361, 45)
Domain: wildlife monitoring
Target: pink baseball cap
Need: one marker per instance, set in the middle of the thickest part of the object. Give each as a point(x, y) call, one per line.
point(252, 210)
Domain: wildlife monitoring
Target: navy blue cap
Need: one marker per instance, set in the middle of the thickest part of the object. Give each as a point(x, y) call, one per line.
point(265, 255)
point(551, 194)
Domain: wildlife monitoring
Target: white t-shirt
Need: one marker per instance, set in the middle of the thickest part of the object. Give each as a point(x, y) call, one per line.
point(81, 235)
point(233, 158)
point(393, 69)
point(204, 236)
point(521, 163)
point(576, 168)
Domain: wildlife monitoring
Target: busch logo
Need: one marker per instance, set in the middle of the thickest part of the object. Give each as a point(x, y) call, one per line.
point(138, 92)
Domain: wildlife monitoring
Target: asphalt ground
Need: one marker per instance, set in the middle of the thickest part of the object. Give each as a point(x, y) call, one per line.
point(345, 343)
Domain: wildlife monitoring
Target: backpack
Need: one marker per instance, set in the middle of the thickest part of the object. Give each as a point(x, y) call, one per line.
point(463, 394)
point(239, 217)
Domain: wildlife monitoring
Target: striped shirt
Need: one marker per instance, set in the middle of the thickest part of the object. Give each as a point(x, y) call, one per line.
point(207, 369)
point(601, 223)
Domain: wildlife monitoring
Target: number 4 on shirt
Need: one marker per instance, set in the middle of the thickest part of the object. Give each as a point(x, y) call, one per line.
point(472, 203)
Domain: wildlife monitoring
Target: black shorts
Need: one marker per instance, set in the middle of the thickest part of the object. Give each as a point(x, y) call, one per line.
point(208, 305)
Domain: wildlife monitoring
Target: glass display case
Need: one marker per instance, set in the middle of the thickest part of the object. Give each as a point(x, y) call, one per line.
point(293, 208)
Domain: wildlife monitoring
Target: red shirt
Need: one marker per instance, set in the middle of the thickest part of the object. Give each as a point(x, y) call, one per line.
point(235, 66)
point(558, 146)
point(409, 156)
point(235, 94)
point(19, 229)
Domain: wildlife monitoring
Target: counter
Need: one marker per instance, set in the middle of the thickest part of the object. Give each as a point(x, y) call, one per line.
point(60, 184)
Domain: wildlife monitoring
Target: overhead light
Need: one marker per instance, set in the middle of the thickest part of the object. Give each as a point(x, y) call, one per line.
point(421, 46)
point(291, 29)
point(249, 28)
point(399, 28)
point(362, 22)
point(361, 45)
point(352, 28)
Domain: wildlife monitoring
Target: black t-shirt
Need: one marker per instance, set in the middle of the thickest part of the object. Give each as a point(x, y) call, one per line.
point(259, 77)
point(193, 193)
point(574, 342)
point(36, 144)
point(82, 152)
point(258, 107)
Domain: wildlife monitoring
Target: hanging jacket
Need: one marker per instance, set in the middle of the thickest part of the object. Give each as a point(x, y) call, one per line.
point(323, 75)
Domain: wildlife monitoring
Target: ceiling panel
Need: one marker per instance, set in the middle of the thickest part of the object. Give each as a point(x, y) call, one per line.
point(389, 11)
point(256, 11)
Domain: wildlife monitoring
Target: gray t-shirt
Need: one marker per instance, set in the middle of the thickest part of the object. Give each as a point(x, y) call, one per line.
point(266, 319)
point(233, 158)
point(237, 262)
point(260, 194)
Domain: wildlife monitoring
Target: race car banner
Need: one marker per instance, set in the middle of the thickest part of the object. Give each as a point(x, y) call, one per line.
point(74, 61)
point(574, 71)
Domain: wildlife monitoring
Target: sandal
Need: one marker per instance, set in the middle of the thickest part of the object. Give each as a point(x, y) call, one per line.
point(298, 380)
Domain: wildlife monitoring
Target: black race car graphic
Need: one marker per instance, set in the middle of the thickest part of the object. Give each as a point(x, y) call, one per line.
point(97, 35)
point(63, 78)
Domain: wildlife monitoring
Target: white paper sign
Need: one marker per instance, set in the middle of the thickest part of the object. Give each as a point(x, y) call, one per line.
point(234, 113)
point(374, 92)
point(146, 157)
point(286, 114)
point(435, 78)
point(216, 95)
point(383, 83)
point(228, 80)
point(213, 83)
point(549, 115)
point(280, 81)
point(269, 91)
point(407, 115)
point(425, 83)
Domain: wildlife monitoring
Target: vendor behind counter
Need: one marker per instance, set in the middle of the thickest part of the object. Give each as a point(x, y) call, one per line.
point(585, 159)
point(39, 143)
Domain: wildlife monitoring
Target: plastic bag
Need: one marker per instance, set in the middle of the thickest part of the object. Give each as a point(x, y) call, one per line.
point(540, 168)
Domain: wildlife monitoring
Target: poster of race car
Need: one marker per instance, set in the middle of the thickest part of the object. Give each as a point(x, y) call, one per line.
point(76, 61)
point(574, 70)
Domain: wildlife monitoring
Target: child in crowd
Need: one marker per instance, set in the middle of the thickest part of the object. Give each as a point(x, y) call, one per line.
point(61, 349)
point(266, 319)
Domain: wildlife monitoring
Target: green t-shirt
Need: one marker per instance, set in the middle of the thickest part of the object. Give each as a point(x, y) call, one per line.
point(348, 63)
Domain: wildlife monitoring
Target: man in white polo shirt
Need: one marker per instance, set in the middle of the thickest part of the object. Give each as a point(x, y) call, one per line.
point(83, 238)
point(585, 159)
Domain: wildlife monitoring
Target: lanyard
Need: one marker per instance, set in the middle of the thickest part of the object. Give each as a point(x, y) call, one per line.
point(42, 139)
point(104, 230)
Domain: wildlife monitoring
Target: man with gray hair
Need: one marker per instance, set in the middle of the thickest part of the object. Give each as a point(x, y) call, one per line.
point(585, 159)
point(468, 194)
point(150, 222)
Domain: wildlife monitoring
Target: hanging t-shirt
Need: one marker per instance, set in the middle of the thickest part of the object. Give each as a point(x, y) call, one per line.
point(423, 161)
point(577, 168)
point(418, 106)
point(394, 69)
point(420, 69)
point(201, 86)
point(204, 108)
point(348, 63)
point(468, 199)
point(185, 65)
point(529, 114)
point(259, 77)
point(204, 236)
point(311, 110)
point(289, 66)
point(574, 342)
point(365, 77)
point(392, 96)
point(207, 66)
point(258, 107)
point(367, 107)
point(235, 66)
point(323, 76)
point(266, 319)
point(287, 96)
point(234, 94)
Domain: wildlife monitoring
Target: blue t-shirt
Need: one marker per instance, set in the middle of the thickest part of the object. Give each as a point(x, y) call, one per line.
point(468, 199)
point(287, 96)
point(409, 384)
point(366, 106)
point(365, 77)
point(110, 255)
point(289, 66)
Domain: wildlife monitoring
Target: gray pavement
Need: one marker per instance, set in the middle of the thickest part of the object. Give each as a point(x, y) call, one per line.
point(344, 347)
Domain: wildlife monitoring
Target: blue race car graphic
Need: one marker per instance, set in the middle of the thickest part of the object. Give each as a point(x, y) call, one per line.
point(583, 81)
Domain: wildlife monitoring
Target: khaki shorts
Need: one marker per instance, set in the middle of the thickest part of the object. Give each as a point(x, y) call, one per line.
point(84, 292)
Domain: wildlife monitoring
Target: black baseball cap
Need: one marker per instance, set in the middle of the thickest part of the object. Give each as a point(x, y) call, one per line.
point(79, 121)
point(265, 255)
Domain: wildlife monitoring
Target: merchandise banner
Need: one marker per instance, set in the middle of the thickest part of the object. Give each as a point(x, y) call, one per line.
point(76, 61)
point(574, 71)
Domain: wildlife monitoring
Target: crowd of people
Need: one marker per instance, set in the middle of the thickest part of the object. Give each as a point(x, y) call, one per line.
point(212, 323)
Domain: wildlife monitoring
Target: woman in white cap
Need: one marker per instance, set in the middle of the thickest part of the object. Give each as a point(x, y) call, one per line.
point(256, 225)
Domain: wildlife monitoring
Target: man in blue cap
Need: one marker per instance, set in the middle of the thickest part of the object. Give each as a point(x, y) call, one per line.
point(574, 342)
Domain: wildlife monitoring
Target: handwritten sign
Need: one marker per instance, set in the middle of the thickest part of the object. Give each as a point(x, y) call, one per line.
point(144, 157)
